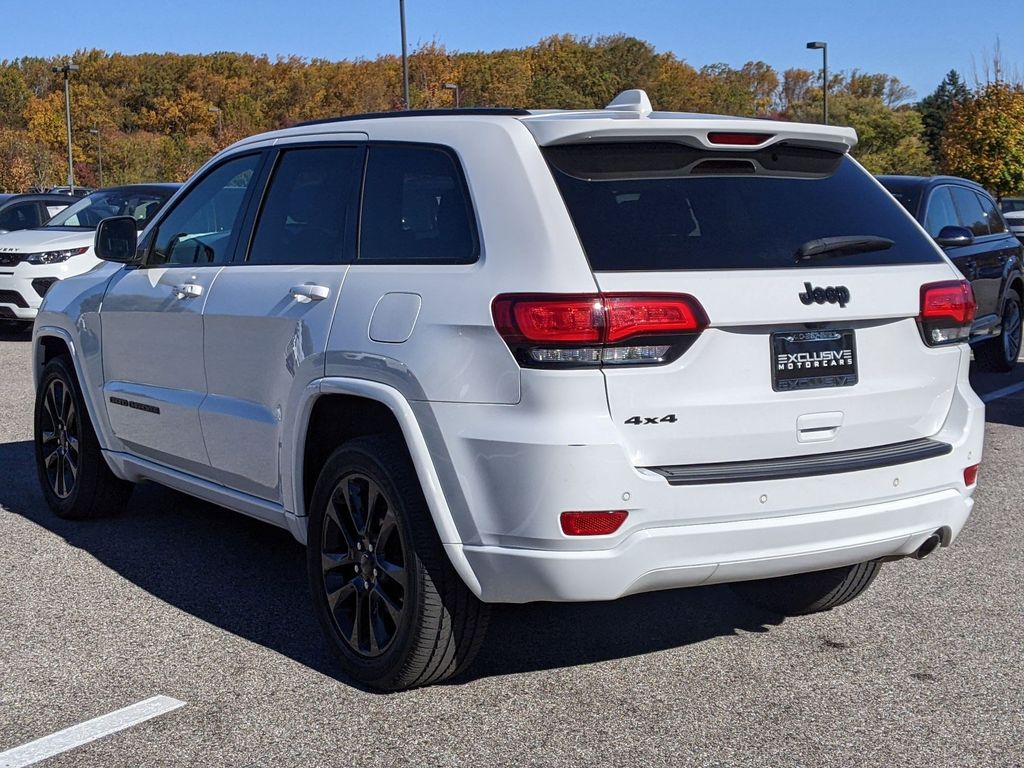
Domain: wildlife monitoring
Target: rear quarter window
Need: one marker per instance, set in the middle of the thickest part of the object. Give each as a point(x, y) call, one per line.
point(415, 208)
point(653, 206)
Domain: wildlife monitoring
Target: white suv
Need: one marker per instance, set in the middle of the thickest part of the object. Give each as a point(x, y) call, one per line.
point(499, 356)
point(32, 260)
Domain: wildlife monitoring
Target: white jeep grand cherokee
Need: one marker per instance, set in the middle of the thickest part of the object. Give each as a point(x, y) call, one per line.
point(498, 356)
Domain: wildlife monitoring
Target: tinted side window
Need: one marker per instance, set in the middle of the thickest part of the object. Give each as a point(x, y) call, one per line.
point(415, 208)
point(971, 215)
point(996, 225)
point(20, 216)
point(308, 216)
point(199, 228)
point(941, 212)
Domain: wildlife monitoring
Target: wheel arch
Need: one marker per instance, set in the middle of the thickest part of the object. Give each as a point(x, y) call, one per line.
point(1017, 284)
point(336, 409)
point(50, 343)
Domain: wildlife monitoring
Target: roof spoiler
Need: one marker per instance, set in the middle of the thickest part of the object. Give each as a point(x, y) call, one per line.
point(630, 116)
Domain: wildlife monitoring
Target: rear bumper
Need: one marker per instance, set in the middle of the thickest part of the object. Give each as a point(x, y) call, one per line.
point(509, 471)
point(690, 555)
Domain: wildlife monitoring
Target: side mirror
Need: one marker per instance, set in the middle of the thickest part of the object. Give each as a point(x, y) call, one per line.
point(117, 240)
point(953, 236)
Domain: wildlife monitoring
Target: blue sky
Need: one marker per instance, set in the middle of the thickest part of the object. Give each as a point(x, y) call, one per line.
point(916, 40)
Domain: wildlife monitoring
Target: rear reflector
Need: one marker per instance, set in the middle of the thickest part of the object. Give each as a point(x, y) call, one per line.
point(738, 139)
point(947, 312)
point(591, 523)
point(971, 475)
point(597, 329)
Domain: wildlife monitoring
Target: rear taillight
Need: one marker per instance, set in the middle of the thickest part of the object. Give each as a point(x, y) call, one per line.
point(546, 330)
point(947, 312)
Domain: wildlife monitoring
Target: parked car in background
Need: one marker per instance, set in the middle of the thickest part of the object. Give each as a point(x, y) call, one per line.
point(1013, 212)
point(496, 356)
point(28, 211)
point(32, 260)
point(964, 220)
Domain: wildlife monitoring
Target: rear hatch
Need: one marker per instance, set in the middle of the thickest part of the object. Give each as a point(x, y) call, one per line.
point(810, 345)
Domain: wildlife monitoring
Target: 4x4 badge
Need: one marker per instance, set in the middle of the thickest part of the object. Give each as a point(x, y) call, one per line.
point(838, 294)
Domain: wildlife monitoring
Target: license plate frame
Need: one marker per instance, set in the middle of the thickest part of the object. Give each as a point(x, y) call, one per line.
point(804, 360)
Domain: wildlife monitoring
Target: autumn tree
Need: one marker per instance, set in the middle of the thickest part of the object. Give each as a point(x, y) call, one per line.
point(983, 139)
point(158, 113)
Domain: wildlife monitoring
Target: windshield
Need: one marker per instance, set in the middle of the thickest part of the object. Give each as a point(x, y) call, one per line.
point(88, 212)
point(663, 206)
point(1012, 205)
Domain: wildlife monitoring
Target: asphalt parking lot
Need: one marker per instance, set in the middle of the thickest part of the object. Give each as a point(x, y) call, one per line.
point(182, 599)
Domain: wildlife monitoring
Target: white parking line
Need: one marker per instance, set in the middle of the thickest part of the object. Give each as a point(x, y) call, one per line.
point(1004, 392)
point(90, 730)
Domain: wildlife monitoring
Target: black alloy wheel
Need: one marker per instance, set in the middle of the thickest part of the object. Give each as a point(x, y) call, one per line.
point(390, 603)
point(999, 354)
point(363, 565)
point(1011, 330)
point(60, 437)
point(74, 477)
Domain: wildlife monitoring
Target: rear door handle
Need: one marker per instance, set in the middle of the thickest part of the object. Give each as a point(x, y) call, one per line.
point(187, 291)
point(309, 292)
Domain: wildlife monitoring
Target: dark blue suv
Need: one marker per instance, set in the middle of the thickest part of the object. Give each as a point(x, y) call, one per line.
point(965, 221)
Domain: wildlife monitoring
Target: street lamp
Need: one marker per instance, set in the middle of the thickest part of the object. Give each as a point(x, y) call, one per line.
point(220, 119)
point(453, 87)
point(66, 70)
point(99, 149)
point(823, 47)
point(405, 56)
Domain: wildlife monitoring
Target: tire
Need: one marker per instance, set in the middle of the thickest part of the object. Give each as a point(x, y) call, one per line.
point(362, 567)
point(999, 355)
point(805, 593)
point(76, 481)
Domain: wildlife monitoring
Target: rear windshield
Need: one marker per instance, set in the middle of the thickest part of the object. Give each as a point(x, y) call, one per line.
point(667, 206)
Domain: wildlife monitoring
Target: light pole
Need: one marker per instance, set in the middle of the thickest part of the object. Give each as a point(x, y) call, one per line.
point(99, 149)
point(67, 69)
point(823, 46)
point(220, 119)
point(405, 56)
point(453, 87)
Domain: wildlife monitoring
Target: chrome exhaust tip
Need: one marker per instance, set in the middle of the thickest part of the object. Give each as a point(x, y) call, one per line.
point(930, 545)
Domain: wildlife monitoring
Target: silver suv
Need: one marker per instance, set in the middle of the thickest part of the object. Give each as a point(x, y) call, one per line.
point(472, 357)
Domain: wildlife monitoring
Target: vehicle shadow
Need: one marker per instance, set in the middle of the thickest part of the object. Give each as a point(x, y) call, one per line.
point(248, 578)
point(1009, 408)
point(15, 331)
point(1008, 411)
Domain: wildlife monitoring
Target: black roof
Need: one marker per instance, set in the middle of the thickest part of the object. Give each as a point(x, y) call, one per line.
point(154, 185)
point(923, 182)
point(37, 197)
point(486, 111)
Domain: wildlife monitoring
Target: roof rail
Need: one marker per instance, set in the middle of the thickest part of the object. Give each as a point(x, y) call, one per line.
point(491, 111)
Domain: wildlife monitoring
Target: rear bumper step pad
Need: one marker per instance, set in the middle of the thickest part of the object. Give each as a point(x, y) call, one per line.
point(804, 466)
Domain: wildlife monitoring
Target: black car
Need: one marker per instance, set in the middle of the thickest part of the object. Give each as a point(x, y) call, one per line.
point(965, 221)
point(28, 211)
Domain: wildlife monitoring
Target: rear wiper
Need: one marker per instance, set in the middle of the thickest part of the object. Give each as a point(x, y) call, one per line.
point(834, 246)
